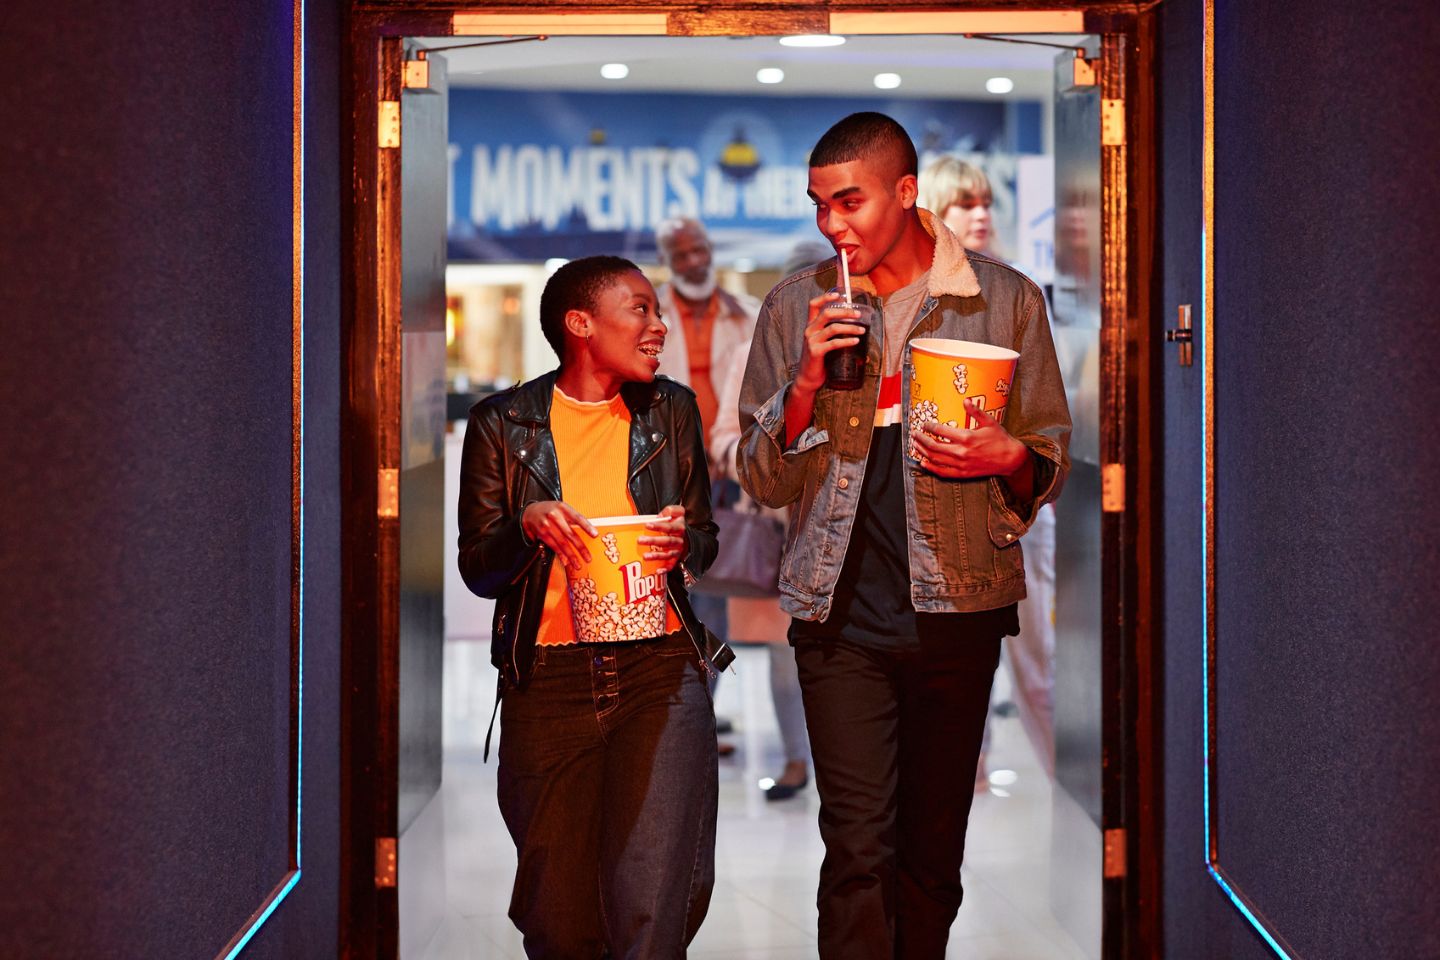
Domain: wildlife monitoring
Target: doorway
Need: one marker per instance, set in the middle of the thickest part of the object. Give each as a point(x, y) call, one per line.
point(1092, 791)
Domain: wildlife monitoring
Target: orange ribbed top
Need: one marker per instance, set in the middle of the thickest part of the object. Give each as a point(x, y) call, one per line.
point(592, 446)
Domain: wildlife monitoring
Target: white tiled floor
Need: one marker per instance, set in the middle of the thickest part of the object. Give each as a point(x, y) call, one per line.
point(458, 863)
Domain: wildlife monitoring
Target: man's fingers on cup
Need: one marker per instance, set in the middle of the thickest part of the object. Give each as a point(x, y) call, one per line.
point(839, 343)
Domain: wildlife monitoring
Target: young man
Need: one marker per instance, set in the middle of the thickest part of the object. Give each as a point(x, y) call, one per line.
point(901, 575)
point(607, 778)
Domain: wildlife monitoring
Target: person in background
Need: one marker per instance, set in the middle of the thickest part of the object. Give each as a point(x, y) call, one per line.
point(901, 572)
point(960, 195)
point(608, 780)
point(708, 326)
point(760, 619)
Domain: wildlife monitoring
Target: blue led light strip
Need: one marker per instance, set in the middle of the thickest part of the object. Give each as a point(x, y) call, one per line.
point(1210, 503)
point(299, 270)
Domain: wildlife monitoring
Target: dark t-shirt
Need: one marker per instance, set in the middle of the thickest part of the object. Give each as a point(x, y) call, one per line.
point(872, 604)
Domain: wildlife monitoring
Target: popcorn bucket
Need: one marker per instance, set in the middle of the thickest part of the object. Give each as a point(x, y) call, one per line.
point(618, 595)
point(946, 372)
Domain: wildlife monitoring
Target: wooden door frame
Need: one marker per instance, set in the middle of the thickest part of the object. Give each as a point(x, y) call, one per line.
point(1131, 417)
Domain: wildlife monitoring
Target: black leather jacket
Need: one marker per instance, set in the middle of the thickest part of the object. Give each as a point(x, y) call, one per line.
point(509, 462)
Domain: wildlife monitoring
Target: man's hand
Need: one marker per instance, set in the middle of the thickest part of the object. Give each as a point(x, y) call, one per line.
point(986, 451)
point(822, 336)
point(553, 523)
point(668, 544)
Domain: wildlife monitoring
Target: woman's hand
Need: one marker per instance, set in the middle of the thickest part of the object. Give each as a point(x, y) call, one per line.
point(553, 523)
point(669, 542)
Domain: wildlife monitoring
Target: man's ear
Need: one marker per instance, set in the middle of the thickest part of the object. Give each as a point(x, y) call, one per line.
point(907, 188)
point(577, 324)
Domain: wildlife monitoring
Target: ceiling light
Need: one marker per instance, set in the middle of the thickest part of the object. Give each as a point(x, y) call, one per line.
point(999, 84)
point(770, 75)
point(887, 81)
point(812, 40)
point(615, 71)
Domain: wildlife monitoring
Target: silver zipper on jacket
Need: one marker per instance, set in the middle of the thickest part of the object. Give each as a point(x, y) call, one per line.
point(704, 661)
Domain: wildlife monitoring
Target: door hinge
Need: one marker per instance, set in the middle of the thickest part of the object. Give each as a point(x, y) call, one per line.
point(1115, 853)
point(389, 123)
point(385, 862)
point(417, 74)
point(1112, 488)
point(389, 496)
point(1085, 71)
point(1112, 123)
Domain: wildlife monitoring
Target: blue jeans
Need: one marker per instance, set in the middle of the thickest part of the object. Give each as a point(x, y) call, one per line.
point(608, 785)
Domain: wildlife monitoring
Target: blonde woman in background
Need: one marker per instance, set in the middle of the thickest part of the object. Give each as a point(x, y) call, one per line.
point(960, 195)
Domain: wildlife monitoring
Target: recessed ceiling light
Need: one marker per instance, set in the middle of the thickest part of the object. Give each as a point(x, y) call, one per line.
point(812, 40)
point(615, 71)
point(887, 81)
point(770, 75)
point(999, 84)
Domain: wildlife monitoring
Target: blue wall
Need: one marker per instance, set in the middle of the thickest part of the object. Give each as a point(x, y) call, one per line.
point(146, 371)
point(1325, 214)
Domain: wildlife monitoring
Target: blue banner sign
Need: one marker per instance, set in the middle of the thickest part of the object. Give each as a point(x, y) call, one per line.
point(542, 174)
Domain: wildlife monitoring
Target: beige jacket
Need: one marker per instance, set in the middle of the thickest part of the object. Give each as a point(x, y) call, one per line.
point(734, 325)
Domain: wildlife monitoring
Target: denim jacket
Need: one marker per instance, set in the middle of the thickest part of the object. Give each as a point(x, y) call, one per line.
point(964, 535)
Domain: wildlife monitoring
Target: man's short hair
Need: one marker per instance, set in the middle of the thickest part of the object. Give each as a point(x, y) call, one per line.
point(948, 181)
point(577, 286)
point(868, 136)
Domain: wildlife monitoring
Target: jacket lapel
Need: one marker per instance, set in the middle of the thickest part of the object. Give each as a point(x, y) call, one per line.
point(646, 439)
point(536, 451)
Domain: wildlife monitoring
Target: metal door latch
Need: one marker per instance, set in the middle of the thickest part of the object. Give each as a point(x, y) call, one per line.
point(1184, 336)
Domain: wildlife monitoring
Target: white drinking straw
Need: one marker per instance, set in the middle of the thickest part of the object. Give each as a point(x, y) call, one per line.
point(845, 272)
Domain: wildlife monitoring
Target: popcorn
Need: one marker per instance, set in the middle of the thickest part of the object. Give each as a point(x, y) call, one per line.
point(1002, 387)
point(612, 551)
point(921, 413)
point(605, 619)
point(962, 383)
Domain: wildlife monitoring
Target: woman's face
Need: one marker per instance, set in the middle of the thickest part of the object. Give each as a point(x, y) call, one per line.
point(969, 219)
point(625, 331)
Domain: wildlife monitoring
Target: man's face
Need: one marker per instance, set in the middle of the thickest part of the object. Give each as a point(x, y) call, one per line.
point(688, 255)
point(860, 210)
point(626, 332)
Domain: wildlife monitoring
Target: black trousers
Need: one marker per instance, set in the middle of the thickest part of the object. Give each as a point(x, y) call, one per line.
point(896, 736)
